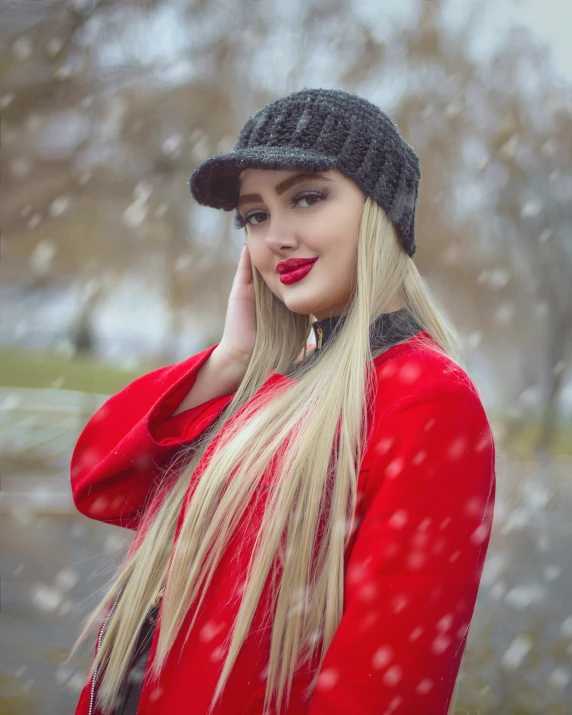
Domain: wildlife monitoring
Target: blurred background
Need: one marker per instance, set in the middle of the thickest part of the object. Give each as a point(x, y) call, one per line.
point(110, 269)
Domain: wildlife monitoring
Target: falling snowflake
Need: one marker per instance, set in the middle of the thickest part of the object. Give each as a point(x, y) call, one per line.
point(516, 652)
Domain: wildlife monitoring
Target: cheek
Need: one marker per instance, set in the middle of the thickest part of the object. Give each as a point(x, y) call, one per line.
point(344, 265)
point(257, 259)
point(341, 232)
point(265, 267)
point(341, 250)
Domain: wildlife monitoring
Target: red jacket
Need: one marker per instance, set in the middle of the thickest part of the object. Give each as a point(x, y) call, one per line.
point(425, 501)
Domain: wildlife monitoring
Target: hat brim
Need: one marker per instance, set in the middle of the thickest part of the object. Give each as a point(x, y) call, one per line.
point(216, 181)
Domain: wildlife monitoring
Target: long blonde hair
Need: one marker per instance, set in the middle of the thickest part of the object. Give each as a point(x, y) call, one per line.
point(313, 430)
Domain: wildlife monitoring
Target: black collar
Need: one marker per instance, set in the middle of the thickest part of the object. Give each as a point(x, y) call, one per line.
point(387, 329)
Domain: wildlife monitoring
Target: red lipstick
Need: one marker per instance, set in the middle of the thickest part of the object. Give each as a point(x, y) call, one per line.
point(294, 269)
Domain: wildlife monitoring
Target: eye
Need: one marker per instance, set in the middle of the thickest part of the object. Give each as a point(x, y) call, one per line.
point(310, 197)
point(313, 197)
point(240, 222)
point(253, 215)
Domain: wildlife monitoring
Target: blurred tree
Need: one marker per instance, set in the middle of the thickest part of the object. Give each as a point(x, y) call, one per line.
point(531, 157)
point(494, 141)
point(110, 105)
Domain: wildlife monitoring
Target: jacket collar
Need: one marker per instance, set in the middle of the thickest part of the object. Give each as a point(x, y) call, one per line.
point(387, 329)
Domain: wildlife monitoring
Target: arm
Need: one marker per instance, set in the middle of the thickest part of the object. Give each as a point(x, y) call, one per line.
point(413, 573)
point(114, 460)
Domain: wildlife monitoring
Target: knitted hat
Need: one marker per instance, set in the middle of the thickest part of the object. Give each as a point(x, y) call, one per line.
point(318, 130)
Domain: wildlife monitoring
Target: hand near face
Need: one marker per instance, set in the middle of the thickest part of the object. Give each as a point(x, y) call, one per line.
point(237, 342)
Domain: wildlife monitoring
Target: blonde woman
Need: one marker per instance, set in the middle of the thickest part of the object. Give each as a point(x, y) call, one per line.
point(311, 524)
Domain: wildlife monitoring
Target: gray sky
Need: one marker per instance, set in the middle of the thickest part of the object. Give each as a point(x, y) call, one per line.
point(550, 21)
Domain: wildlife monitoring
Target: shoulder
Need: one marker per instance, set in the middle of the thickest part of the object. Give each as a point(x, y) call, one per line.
point(422, 393)
point(429, 424)
point(418, 370)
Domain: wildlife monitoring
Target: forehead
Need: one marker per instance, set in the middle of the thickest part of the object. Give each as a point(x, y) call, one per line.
point(262, 178)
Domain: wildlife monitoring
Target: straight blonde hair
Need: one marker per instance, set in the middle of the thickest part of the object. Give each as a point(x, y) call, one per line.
point(311, 434)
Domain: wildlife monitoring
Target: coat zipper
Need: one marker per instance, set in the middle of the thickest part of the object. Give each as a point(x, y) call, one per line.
point(100, 638)
point(156, 602)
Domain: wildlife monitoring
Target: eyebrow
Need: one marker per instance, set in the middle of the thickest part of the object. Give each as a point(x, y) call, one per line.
point(282, 186)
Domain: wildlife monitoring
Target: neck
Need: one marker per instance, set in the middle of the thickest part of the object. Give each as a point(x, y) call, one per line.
point(387, 329)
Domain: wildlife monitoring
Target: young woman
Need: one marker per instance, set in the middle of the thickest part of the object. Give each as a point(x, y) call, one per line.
point(311, 525)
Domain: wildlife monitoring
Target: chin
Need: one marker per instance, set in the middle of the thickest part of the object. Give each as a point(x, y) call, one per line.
point(299, 311)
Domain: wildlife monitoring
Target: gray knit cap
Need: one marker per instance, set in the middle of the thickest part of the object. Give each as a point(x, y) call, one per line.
point(318, 130)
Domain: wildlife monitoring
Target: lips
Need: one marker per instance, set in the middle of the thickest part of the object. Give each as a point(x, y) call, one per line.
point(297, 274)
point(294, 264)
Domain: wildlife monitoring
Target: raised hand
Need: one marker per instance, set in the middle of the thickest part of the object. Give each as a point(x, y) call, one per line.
point(237, 342)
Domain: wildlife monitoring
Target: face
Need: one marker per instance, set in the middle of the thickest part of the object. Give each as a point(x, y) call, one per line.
point(288, 214)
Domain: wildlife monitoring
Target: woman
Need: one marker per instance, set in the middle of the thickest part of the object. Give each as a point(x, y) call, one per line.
point(311, 526)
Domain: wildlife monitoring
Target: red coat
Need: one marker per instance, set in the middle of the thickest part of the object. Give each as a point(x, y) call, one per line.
point(425, 501)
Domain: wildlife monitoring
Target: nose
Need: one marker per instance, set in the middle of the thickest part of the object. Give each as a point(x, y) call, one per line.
point(280, 235)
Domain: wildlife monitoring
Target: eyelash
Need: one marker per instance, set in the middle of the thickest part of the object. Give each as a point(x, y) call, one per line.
point(241, 222)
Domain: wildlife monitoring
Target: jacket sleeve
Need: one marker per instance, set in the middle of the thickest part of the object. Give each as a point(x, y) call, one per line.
point(414, 571)
point(114, 460)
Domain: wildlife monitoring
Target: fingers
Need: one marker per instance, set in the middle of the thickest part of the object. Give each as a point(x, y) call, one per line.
point(244, 270)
